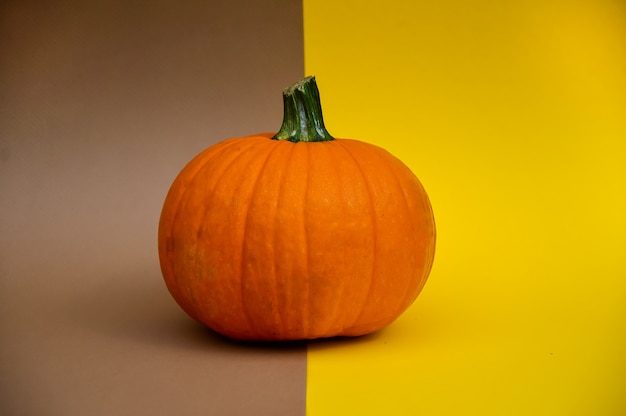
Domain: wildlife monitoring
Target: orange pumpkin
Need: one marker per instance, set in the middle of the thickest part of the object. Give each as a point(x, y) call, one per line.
point(296, 235)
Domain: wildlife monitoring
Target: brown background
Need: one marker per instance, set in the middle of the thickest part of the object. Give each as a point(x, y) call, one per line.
point(102, 103)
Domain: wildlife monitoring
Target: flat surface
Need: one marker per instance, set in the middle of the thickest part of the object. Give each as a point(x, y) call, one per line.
point(512, 114)
point(101, 104)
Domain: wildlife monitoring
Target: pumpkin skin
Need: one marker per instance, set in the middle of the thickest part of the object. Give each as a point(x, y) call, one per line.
point(263, 239)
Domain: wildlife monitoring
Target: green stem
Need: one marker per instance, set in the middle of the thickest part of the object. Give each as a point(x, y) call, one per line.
point(302, 120)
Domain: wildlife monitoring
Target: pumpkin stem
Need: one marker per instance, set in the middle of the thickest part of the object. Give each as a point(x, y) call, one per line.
point(302, 120)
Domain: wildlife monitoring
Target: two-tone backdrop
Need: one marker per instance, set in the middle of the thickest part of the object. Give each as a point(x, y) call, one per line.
point(512, 115)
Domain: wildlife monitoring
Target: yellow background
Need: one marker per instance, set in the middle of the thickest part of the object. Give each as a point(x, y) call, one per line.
point(513, 115)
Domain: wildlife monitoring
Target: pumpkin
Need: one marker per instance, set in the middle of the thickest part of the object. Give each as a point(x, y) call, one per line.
point(296, 235)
